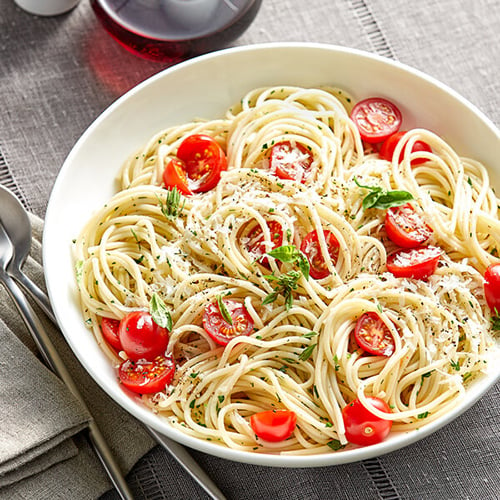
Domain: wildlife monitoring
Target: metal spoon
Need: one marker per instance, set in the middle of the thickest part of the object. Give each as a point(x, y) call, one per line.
point(15, 220)
point(17, 224)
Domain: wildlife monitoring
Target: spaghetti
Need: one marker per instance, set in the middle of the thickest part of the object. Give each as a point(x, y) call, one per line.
point(301, 355)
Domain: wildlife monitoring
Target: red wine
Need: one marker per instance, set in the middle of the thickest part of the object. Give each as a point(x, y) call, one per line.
point(175, 30)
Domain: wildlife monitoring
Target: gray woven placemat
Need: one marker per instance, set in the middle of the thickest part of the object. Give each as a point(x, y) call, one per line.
point(453, 42)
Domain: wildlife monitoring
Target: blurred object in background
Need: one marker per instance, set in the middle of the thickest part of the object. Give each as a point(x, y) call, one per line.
point(46, 7)
point(175, 30)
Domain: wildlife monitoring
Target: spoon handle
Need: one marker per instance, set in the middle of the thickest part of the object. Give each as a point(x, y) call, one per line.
point(182, 456)
point(53, 360)
point(38, 295)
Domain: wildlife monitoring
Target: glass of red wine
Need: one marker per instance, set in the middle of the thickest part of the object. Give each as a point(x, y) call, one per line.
point(175, 30)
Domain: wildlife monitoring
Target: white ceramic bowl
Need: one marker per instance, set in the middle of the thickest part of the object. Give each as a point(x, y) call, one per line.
point(206, 87)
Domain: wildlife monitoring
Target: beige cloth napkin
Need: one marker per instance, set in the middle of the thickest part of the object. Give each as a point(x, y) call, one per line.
point(43, 454)
point(38, 414)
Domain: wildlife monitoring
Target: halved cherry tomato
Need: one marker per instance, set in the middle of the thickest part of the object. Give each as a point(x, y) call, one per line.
point(311, 249)
point(273, 425)
point(109, 328)
point(372, 335)
point(291, 161)
point(389, 145)
point(256, 244)
point(376, 119)
point(203, 160)
point(492, 288)
point(220, 329)
point(147, 377)
point(417, 263)
point(362, 426)
point(405, 227)
point(141, 337)
point(174, 175)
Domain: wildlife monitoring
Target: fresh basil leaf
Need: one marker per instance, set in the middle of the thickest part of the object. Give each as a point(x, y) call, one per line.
point(285, 253)
point(383, 199)
point(159, 312)
point(290, 254)
point(393, 199)
point(374, 189)
point(303, 264)
point(224, 311)
point(370, 200)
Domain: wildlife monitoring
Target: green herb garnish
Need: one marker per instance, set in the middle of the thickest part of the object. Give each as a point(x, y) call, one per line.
point(79, 271)
point(159, 312)
point(171, 208)
point(495, 322)
point(224, 311)
point(136, 238)
point(286, 283)
point(425, 375)
point(290, 254)
point(381, 198)
point(309, 335)
point(335, 445)
point(306, 353)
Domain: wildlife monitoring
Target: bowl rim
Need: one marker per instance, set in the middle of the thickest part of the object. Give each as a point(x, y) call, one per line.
point(147, 416)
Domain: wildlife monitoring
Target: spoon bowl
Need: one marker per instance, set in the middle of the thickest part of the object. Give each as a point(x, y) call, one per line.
point(16, 223)
point(15, 220)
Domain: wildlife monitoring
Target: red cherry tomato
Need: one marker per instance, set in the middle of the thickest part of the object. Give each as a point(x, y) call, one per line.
point(221, 330)
point(492, 288)
point(203, 160)
point(141, 337)
point(372, 335)
point(174, 175)
point(417, 263)
point(389, 145)
point(109, 328)
point(256, 244)
point(291, 161)
point(405, 227)
point(273, 425)
point(363, 427)
point(147, 377)
point(376, 119)
point(311, 249)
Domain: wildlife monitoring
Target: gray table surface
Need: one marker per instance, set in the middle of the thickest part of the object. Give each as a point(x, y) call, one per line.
point(58, 74)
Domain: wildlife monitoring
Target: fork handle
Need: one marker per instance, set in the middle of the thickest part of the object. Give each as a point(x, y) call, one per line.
point(54, 361)
point(181, 455)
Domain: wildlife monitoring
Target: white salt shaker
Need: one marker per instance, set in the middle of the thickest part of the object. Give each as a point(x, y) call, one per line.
point(46, 7)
